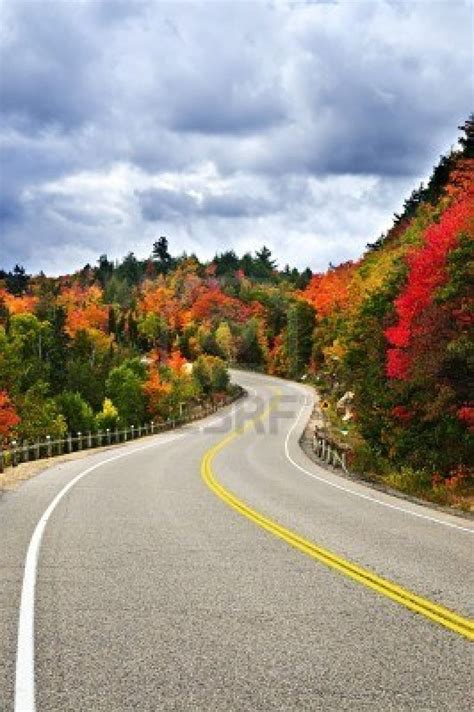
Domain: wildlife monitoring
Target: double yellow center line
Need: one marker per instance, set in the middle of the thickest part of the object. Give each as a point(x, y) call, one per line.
point(434, 612)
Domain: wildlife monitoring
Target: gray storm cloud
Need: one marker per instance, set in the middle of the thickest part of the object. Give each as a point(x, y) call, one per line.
point(301, 125)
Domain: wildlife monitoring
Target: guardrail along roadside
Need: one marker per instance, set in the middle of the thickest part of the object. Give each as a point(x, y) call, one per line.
point(17, 452)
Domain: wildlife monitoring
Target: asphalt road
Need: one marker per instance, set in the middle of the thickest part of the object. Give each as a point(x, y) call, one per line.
point(152, 593)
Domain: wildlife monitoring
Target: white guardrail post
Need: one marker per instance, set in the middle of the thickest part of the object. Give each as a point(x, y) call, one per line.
point(329, 452)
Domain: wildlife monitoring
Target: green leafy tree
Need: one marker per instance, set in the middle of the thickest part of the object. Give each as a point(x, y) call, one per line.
point(202, 374)
point(132, 328)
point(264, 256)
point(301, 322)
point(57, 352)
point(161, 256)
point(261, 267)
point(251, 350)
point(211, 374)
point(130, 269)
point(87, 368)
point(40, 414)
point(25, 353)
point(219, 375)
point(206, 340)
point(125, 387)
point(105, 270)
point(184, 389)
point(17, 281)
point(77, 413)
point(118, 291)
point(227, 263)
point(153, 329)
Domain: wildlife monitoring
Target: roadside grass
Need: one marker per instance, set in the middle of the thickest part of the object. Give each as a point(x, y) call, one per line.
point(420, 484)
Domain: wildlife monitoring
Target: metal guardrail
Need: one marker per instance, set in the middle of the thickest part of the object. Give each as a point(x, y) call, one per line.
point(329, 452)
point(17, 452)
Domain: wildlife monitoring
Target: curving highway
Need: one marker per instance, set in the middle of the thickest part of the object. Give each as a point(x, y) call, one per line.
point(217, 568)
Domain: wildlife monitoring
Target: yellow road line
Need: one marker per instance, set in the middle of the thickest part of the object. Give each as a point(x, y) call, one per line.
point(434, 612)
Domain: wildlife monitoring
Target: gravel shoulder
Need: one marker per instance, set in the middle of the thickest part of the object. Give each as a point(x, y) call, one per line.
point(13, 477)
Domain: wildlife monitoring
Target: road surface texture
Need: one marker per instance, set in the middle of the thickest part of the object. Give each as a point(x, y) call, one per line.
point(154, 593)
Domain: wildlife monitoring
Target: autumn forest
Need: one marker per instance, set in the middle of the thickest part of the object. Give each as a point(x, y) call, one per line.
point(140, 339)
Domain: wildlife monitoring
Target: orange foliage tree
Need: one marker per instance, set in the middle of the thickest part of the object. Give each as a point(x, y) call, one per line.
point(84, 309)
point(155, 391)
point(159, 299)
point(18, 304)
point(215, 306)
point(176, 361)
point(330, 291)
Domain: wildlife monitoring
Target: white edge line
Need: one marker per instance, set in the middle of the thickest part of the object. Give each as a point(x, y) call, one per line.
point(368, 497)
point(25, 664)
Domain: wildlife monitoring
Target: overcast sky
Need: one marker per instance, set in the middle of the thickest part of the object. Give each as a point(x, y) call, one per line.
point(301, 125)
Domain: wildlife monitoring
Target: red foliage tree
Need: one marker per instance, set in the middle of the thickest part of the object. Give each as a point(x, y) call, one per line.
point(400, 412)
point(214, 305)
point(8, 416)
point(466, 415)
point(427, 273)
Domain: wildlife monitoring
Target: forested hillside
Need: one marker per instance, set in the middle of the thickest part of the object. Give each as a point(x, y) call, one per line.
point(395, 329)
point(389, 334)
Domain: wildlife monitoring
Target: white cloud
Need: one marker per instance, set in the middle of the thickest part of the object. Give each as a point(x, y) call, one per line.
point(301, 125)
